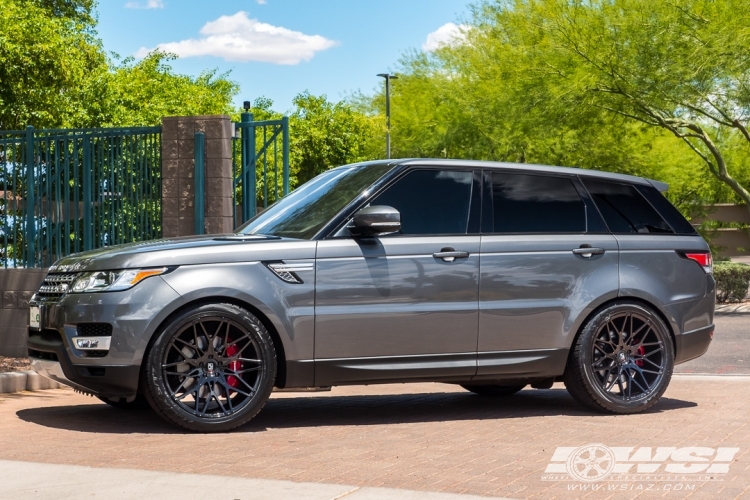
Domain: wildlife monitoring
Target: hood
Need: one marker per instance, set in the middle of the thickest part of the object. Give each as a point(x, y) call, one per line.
point(189, 250)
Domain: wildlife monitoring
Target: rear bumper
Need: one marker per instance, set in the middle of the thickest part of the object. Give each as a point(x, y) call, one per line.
point(692, 344)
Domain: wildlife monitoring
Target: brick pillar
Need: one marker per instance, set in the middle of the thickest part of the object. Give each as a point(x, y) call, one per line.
point(178, 172)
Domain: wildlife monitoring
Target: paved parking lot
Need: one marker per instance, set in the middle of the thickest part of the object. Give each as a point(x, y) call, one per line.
point(431, 437)
point(426, 437)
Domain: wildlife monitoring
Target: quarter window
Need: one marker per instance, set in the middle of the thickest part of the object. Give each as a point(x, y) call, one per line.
point(624, 209)
point(431, 201)
point(524, 203)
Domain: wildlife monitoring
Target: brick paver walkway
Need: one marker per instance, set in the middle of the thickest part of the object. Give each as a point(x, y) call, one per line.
point(433, 437)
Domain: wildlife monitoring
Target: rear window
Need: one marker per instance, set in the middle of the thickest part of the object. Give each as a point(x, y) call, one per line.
point(536, 204)
point(667, 210)
point(624, 209)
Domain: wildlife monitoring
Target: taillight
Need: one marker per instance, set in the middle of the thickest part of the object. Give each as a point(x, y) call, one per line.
point(703, 259)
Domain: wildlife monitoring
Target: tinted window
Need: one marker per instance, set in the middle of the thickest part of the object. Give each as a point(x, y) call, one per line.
point(624, 209)
point(431, 201)
point(536, 204)
point(308, 208)
point(673, 216)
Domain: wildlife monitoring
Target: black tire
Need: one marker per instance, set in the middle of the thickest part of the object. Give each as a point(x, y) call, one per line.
point(220, 377)
point(138, 403)
point(622, 361)
point(493, 390)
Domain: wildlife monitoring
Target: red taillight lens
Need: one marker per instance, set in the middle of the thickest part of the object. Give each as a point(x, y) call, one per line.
point(703, 259)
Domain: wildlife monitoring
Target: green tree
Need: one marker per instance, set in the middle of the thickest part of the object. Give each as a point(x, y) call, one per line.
point(680, 66)
point(326, 134)
point(54, 73)
point(516, 89)
point(603, 84)
point(48, 56)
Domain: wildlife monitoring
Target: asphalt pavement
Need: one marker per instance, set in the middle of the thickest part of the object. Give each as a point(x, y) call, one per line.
point(729, 353)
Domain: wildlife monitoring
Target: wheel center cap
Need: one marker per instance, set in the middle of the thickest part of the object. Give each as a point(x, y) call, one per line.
point(621, 357)
point(211, 367)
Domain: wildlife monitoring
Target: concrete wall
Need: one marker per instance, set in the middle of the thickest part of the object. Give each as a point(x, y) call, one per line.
point(178, 174)
point(17, 286)
point(731, 242)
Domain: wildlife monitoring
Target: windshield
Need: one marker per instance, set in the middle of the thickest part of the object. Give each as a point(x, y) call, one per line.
point(308, 208)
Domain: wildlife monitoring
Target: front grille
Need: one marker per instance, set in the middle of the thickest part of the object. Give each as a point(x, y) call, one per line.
point(94, 330)
point(55, 286)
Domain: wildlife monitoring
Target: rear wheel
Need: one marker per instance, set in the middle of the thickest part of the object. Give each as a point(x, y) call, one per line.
point(622, 361)
point(493, 390)
point(211, 369)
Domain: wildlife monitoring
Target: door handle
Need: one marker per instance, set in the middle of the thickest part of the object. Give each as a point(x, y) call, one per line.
point(586, 251)
point(449, 255)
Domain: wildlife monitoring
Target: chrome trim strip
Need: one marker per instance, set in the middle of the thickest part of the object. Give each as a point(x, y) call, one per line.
point(91, 343)
point(292, 268)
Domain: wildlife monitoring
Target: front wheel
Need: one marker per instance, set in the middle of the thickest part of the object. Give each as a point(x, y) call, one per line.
point(211, 369)
point(622, 361)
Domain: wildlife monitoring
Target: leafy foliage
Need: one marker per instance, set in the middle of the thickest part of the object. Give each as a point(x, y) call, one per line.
point(548, 82)
point(54, 73)
point(732, 281)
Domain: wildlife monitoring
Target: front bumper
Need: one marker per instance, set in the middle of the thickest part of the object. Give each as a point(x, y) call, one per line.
point(50, 359)
point(134, 315)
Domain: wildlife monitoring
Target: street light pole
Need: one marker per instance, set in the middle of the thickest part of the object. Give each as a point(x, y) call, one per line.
point(388, 77)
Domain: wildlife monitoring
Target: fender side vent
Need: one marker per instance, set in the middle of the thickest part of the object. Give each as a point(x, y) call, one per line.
point(288, 272)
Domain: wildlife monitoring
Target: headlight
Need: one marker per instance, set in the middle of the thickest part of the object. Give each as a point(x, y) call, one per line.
point(112, 281)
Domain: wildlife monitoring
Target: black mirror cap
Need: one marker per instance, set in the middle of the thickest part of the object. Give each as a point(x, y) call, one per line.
point(378, 219)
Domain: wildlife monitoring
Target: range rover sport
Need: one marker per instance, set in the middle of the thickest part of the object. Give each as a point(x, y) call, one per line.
point(493, 276)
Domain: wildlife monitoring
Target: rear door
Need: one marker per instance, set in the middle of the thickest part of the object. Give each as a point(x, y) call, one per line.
point(546, 260)
point(403, 306)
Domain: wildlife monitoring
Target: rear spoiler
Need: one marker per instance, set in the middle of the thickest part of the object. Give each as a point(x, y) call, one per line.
point(662, 187)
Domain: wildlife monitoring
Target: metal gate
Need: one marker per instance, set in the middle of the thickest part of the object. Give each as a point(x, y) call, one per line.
point(261, 163)
point(68, 190)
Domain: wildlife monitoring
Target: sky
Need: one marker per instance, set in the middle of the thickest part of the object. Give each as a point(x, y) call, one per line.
point(280, 48)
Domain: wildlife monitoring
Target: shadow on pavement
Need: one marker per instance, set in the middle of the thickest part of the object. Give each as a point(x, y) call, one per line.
point(306, 411)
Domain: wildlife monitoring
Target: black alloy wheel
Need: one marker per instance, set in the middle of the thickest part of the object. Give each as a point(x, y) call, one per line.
point(623, 360)
point(211, 369)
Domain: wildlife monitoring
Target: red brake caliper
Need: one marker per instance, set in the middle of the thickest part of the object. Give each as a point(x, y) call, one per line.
point(641, 352)
point(233, 365)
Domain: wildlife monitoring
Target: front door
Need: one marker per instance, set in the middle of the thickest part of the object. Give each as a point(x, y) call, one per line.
point(399, 306)
point(547, 259)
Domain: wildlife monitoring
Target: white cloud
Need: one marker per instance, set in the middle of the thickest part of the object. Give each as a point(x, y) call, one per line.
point(260, 2)
point(447, 34)
point(239, 38)
point(149, 4)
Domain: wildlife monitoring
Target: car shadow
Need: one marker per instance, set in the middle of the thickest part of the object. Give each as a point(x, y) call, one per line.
point(319, 411)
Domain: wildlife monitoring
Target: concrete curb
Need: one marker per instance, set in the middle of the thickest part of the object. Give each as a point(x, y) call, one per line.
point(732, 309)
point(25, 381)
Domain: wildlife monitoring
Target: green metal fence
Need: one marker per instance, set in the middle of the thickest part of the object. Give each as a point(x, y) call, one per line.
point(69, 190)
point(261, 161)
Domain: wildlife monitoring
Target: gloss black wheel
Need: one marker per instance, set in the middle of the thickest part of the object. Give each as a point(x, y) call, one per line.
point(211, 369)
point(623, 360)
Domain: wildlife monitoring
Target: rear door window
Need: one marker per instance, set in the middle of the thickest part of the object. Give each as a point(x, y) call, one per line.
point(523, 203)
point(624, 209)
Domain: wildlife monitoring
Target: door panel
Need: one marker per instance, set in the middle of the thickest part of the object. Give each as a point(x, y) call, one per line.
point(534, 290)
point(390, 297)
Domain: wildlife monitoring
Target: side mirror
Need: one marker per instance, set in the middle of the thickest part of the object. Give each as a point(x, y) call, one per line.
point(374, 220)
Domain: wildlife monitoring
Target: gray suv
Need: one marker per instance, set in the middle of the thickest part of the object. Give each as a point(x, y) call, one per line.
point(493, 276)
